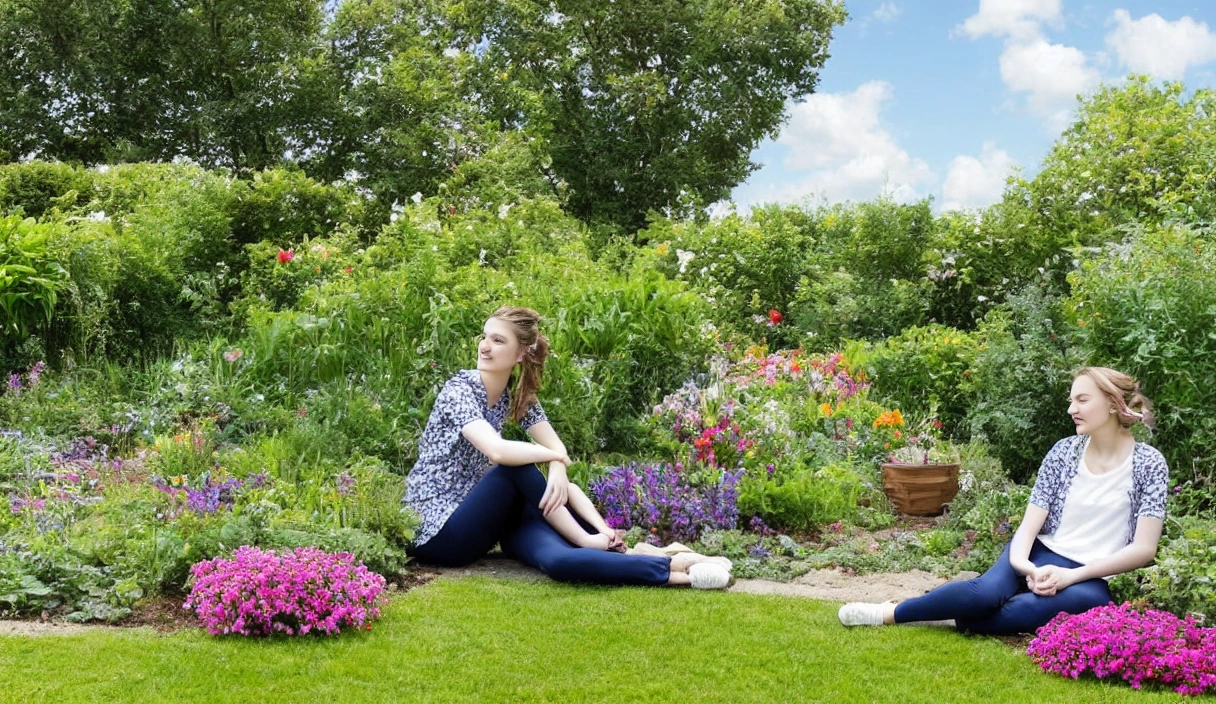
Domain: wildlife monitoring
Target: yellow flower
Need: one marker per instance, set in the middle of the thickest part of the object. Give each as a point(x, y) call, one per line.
point(662, 248)
point(826, 409)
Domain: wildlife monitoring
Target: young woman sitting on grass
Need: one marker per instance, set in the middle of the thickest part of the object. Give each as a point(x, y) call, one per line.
point(474, 489)
point(1095, 511)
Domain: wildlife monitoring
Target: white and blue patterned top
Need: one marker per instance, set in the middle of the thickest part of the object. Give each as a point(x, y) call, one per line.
point(448, 465)
point(1150, 482)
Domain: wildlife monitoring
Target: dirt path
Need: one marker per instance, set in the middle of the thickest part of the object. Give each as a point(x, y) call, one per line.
point(824, 585)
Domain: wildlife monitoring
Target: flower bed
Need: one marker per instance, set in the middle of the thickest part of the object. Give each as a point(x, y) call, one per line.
point(259, 592)
point(1135, 645)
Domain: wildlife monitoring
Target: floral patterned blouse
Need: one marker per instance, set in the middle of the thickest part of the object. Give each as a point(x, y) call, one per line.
point(448, 465)
point(1150, 482)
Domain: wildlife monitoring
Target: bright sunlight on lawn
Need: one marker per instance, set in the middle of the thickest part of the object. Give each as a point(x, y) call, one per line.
point(479, 639)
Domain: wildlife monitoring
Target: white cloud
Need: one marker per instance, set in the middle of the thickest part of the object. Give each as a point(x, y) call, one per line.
point(975, 183)
point(1160, 48)
point(839, 150)
point(1019, 19)
point(887, 12)
point(1052, 75)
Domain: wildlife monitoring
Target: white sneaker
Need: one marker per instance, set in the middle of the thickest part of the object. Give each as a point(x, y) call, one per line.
point(708, 575)
point(860, 613)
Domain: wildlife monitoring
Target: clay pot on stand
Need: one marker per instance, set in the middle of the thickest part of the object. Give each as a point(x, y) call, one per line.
point(920, 489)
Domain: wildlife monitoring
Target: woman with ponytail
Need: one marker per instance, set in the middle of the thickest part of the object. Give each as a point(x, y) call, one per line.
point(473, 488)
point(1096, 511)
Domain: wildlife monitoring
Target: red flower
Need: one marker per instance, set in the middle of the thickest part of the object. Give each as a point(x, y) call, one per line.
point(774, 317)
point(287, 255)
point(347, 270)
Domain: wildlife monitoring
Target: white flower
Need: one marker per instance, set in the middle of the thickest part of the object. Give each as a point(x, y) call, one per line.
point(98, 216)
point(417, 197)
point(684, 258)
point(503, 210)
point(451, 52)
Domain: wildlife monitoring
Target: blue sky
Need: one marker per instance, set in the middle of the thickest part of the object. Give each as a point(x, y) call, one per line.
point(945, 99)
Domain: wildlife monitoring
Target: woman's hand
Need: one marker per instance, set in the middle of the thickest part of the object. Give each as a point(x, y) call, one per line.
point(558, 488)
point(1050, 580)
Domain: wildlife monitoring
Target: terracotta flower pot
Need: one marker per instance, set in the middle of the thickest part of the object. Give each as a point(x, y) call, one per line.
point(920, 489)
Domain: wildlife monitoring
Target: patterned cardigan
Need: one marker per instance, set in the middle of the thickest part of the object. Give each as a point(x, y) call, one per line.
point(1150, 482)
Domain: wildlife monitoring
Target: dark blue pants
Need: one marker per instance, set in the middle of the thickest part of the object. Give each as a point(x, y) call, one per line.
point(999, 602)
point(503, 508)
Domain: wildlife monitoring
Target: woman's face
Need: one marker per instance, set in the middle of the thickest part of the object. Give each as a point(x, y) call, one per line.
point(498, 350)
point(1089, 407)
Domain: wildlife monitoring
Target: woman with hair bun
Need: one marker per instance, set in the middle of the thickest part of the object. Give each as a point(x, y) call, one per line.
point(474, 489)
point(1096, 511)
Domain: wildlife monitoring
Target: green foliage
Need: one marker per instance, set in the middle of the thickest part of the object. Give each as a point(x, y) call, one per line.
point(1020, 380)
point(990, 523)
point(804, 500)
point(39, 186)
point(1147, 307)
point(639, 103)
point(744, 266)
point(925, 368)
point(30, 279)
point(114, 81)
point(1183, 580)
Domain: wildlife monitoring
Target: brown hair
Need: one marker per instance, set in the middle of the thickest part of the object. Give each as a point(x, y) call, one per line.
point(526, 324)
point(1130, 405)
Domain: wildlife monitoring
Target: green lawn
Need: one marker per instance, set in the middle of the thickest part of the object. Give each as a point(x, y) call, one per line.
point(479, 639)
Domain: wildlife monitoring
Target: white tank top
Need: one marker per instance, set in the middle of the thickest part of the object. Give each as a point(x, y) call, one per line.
point(1093, 523)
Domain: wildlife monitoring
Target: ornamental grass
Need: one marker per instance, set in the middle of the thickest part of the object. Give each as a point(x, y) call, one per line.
point(260, 592)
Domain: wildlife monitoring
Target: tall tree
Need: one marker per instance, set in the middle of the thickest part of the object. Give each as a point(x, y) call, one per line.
point(103, 80)
point(641, 101)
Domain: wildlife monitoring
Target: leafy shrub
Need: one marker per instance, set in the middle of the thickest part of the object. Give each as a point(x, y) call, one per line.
point(1183, 579)
point(259, 593)
point(1137, 646)
point(990, 523)
point(746, 266)
point(30, 282)
point(925, 368)
point(1020, 380)
point(39, 186)
point(1145, 307)
point(662, 500)
point(804, 500)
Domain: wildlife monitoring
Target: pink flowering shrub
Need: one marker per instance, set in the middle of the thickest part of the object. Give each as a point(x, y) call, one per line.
point(259, 592)
point(1136, 645)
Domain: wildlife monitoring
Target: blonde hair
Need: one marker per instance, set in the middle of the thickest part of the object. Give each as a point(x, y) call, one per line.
point(526, 324)
point(1123, 391)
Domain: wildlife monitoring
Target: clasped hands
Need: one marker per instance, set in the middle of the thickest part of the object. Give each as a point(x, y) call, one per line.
point(1049, 580)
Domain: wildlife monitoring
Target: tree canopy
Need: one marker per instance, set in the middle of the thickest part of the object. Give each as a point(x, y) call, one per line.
point(630, 106)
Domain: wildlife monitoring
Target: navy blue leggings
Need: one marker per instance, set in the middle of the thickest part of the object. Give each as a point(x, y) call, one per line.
point(999, 602)
point(504, 508)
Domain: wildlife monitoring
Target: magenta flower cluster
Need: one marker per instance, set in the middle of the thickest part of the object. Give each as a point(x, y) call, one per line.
point(1136, 645)
point(259, 592)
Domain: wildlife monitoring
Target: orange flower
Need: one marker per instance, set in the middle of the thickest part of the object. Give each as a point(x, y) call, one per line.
point(889, 419)
point(826, 409)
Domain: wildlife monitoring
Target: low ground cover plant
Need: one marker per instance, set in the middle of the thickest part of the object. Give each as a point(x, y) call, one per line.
point(261, 593)
point(1139, 646)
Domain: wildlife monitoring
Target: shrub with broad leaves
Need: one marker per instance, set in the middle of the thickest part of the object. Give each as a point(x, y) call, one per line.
point(1135, 645)
point(260, 592)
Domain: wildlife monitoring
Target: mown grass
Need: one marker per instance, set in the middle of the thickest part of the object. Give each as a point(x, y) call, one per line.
point(480, 639)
